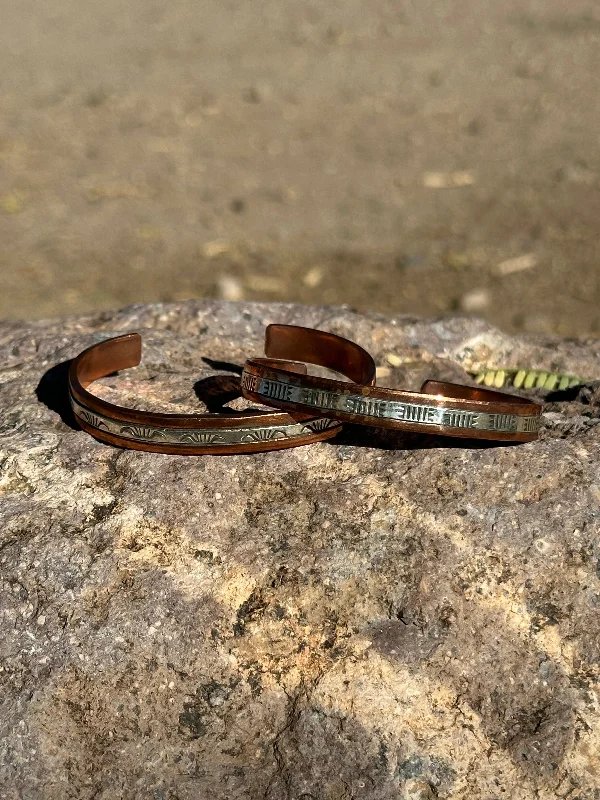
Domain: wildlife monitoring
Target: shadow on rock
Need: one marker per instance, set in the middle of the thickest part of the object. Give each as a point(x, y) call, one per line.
point(225, 366)
point(521, 695)
point(388, 439)
point(217, 390)
point(53, 392)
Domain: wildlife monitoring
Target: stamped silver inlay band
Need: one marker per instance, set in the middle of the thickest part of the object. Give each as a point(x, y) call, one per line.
point(199, 436)
point(419, 413)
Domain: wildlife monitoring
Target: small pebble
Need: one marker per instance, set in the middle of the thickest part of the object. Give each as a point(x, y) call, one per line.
point(477, 300)
point(394, 360)
point(214, 249)
point(518, 264)
point(230, 288)
point(448, 180)
point(313, 277)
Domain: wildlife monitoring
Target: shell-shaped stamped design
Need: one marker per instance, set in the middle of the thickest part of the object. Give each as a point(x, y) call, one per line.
point(145, 433)
point(318, 425)
point(201, 437)
point(263, 435)
point(90, 418)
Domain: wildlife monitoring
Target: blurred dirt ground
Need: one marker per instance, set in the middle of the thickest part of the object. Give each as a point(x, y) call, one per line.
point(427, 157)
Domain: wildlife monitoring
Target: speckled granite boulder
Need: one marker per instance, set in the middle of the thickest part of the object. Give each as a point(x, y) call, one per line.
point(375, 618)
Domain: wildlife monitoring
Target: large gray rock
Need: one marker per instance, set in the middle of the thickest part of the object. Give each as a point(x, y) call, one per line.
point(404, 618)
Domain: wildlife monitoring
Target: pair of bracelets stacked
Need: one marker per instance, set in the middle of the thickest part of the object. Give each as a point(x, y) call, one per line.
point(303, 408)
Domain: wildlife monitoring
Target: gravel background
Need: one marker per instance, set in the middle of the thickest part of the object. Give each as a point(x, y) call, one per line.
point(428, 157)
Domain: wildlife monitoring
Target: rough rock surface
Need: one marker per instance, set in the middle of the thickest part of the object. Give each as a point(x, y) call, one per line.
point(403, 618)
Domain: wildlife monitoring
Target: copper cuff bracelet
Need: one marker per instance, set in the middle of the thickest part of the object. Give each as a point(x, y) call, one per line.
point(441, 408)
point(185, 434)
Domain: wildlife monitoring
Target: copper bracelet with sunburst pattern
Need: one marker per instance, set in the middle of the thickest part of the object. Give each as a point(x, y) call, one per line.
point(184, 434)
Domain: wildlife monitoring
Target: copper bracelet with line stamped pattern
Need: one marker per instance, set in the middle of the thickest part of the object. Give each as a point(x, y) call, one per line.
point(442, 408)
point(186, 434)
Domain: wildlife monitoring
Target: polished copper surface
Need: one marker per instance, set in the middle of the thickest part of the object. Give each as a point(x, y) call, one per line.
point(322, 348)
point(443, 408)
point(186, 434)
